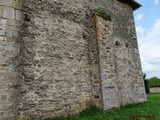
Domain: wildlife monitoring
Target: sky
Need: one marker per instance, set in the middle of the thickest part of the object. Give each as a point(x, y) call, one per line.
point(147, 20)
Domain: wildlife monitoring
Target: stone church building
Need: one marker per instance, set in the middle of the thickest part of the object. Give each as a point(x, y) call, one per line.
point(58, 57)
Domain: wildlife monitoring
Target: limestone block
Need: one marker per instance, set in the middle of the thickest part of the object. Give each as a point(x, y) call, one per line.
point(1, 11)
point(2, 58)
point(17, 4)
point(2, 32)
point(18, 15)
point(10, 48)
point(8, 12)
point(141, 90)
point(2, 38)
point(6, 2)
point(13, 23)
point(1, 48)
point(1, 115)
point(3, 24)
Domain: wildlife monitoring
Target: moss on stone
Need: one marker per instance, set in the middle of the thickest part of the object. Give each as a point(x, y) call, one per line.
point(102, 12)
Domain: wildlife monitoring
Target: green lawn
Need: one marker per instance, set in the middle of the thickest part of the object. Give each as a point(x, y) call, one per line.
point(149, 110)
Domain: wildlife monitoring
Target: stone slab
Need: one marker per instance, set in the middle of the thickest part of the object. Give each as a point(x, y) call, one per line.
point(9, 13)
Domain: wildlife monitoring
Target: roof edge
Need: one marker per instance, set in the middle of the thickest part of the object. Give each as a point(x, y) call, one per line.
point(135, 5)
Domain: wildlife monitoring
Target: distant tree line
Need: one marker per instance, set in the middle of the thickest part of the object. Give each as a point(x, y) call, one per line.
point(152, 82)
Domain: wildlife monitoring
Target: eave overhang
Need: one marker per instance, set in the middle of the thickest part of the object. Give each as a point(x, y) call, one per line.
point(135, 5)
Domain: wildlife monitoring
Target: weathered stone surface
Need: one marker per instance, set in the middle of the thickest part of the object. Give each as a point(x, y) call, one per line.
point(62, 57)
point(9, 51)
point(17, 4)
point(18, 15)
point(9, 13)
point(1, 11)
point(6, 2)
point(116, 44)
point(154, 90)
point(58, 47)
point(3, 24)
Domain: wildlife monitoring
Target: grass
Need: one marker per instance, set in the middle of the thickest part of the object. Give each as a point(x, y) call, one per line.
point(149, 110)
point(103, 13)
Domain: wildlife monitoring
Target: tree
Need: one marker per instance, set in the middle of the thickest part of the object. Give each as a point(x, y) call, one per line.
point(146, 83)
point(154, 82)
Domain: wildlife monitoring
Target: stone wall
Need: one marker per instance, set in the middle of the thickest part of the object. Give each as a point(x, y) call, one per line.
point(154, 90)
point(120, 68)
point(54, 59)
point(65, 57)
point(10, 14)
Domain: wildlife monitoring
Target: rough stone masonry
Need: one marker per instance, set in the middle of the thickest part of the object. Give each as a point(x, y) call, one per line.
point(58, 57)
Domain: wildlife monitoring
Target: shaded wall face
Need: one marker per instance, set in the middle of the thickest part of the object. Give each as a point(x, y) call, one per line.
point(10, 15)
point(54, 59)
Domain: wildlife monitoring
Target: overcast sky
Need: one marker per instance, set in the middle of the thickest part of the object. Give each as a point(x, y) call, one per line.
point(147, 20)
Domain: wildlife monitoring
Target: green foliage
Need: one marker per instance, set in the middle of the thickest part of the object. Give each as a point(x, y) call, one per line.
point(146, 83)
point(144, 76)
point(102, 12)
point(142, 110)
point(89, 111)
point(154, 82)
